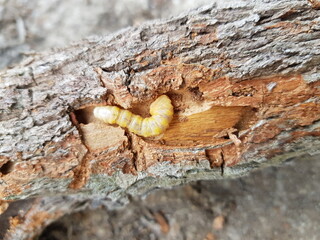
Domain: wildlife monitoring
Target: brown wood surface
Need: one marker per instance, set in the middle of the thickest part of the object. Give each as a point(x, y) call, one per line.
point(244, 83)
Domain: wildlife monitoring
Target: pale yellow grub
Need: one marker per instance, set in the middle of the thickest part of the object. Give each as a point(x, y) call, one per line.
point(161, 111)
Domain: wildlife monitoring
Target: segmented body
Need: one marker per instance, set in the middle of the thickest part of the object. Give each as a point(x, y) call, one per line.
point(161, 111)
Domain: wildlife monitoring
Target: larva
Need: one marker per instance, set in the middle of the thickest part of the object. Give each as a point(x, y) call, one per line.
point(161, 111)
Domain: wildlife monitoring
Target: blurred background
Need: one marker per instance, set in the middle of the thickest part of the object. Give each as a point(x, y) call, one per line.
point(272, 203)
point(35, 25)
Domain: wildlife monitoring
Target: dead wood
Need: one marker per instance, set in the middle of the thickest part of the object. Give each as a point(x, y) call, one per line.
point(243, 79)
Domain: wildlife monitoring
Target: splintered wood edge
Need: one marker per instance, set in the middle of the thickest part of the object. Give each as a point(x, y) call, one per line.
point(205, 118)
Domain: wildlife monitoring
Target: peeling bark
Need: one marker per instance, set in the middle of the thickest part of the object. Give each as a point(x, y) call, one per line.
point(243, 79)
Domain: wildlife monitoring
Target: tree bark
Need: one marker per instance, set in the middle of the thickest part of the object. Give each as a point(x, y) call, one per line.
point(243, 79)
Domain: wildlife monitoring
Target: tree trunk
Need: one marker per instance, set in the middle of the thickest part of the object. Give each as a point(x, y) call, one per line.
point(243, 79)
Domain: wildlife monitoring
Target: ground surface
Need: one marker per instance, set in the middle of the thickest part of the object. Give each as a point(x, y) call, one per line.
point(272, 203)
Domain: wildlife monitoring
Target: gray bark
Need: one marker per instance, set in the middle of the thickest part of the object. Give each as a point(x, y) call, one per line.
point(43, 100)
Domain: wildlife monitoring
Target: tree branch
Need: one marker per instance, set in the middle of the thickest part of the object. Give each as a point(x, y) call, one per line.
point(243, 79)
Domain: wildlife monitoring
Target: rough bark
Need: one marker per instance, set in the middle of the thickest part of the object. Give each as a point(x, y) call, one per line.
point(243, 79)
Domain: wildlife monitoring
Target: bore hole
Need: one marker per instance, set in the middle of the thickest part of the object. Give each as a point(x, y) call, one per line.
point(7, 167)
point(84, 115)
point(197, 94)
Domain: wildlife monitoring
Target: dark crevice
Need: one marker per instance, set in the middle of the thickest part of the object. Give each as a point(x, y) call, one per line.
point(127, 80)
point(116, 67)
point(266, 16)
point(290, 15)
point(144, 35)
point(182, 21)
point(7, 167)
point(130, 148)
point(206, 11)
point(245, 92)
point(197, 94)
point(32, 75)
point(82, 116)
point(25, 86)
point(223, 163)
point(273, 117)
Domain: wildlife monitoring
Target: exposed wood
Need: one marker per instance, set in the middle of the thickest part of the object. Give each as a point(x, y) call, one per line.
point(253, 74)
point(244, 81)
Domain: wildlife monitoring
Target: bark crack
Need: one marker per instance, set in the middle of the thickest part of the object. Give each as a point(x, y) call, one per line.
point(223, 163)
point(83, 170)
